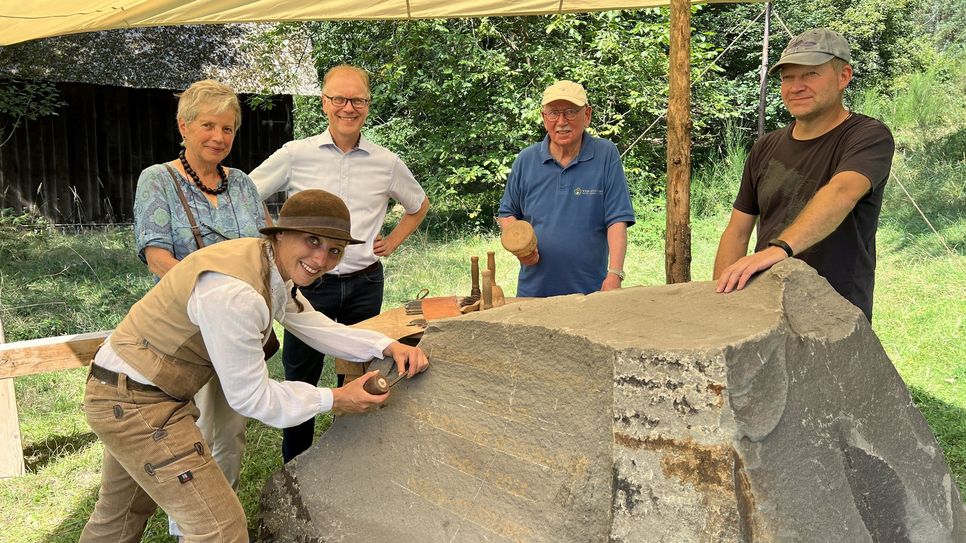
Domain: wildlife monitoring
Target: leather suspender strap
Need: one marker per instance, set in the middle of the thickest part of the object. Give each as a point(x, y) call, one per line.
point(195, 231)
point(272, 345)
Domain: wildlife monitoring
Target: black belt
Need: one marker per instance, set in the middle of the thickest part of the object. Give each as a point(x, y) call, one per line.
point(370, 268)
point(109, 377)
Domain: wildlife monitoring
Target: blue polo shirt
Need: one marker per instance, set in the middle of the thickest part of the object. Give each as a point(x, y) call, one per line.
point(570, 210)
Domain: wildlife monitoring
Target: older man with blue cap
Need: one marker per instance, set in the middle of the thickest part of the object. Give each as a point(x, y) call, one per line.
point(815, 186)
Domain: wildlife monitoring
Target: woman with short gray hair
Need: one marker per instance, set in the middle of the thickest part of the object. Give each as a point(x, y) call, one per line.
point(191, 202)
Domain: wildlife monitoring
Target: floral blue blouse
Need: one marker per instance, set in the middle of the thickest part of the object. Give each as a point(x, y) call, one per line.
point(160, 220)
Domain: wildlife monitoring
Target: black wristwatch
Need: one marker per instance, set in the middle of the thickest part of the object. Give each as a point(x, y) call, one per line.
point(783, 246)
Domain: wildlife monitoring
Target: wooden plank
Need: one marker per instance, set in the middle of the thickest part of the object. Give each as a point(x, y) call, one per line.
point(49, 354)
point(393, 323)
point(11, 447)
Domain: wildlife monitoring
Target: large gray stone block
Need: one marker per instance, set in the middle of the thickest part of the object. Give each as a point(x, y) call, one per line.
point(648, 414)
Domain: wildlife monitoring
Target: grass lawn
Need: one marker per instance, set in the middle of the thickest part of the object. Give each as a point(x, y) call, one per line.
point(84, 282)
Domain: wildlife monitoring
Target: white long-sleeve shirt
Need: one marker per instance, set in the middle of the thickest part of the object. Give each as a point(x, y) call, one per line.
point(365, 178)
point(231, 316)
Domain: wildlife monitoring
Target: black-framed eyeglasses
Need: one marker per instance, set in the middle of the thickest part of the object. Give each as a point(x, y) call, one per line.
point(341, 101)
point(570, 113)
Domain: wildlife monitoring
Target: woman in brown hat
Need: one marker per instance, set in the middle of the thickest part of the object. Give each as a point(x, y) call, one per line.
point(191, 202)
point(210, 315)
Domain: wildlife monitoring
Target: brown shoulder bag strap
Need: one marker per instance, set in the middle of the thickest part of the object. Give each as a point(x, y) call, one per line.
point(270, 347)
point(195, 231)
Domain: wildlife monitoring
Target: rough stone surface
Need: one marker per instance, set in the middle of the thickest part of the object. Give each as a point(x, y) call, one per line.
point(648, 414)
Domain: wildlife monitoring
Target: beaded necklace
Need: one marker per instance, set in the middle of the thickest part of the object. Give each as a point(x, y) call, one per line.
point(222, 187)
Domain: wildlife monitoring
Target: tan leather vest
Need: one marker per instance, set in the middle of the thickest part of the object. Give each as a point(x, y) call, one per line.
point(159, 340)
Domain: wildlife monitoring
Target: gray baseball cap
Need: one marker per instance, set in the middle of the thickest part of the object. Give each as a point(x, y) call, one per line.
point(814, 47)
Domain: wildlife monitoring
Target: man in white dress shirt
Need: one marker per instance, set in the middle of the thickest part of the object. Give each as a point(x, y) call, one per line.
point(365, 176)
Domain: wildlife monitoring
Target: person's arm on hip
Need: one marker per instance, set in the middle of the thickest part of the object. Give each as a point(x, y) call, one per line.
point(407, 225)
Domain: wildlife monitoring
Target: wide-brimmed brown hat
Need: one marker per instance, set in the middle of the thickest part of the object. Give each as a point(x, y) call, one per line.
point(314, 211)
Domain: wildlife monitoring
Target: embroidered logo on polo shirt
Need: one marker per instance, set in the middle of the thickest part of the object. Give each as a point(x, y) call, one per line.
point(588, 192)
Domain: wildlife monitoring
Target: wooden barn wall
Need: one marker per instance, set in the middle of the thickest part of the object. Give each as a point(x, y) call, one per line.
point(82, 165)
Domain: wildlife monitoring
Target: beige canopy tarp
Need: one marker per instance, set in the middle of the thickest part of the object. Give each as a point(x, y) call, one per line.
point(22, 20)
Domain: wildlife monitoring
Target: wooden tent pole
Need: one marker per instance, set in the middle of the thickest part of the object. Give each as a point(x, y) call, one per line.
point(677, 246)
point(763, 77)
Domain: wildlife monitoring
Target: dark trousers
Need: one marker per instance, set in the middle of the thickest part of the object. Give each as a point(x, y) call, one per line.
point(347, 299)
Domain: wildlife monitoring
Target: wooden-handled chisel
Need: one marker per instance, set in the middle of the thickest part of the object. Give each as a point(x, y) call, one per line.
point(475, 273)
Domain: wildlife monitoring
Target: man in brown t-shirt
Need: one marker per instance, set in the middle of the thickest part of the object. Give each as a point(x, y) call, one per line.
point(816, 185)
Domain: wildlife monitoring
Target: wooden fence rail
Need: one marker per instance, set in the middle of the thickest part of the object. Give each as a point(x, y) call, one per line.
point(26, 358)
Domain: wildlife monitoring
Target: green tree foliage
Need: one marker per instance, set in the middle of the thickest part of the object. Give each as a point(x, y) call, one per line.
point(926, 111)
point(25, 100)
point(886, 37)
point(459, 99)
point(945, 20)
